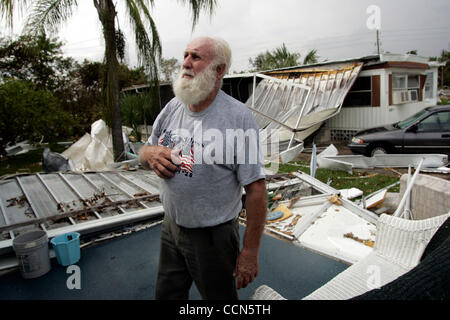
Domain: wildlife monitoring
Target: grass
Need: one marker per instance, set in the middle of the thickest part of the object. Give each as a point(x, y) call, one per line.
point(367, 182)
point(443, 101)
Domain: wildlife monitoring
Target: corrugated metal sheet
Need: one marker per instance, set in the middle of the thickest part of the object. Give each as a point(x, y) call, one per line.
point(55, 201)
point(83, 201)
point(329, 84)
point(318, 96)
point(95, 201)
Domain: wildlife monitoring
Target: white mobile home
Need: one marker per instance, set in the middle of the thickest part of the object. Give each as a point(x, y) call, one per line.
point(345, 96)
point(387, 88)
point(386, 91)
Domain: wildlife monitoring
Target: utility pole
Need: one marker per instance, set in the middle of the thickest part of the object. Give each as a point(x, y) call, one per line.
point(442, 75)
point(378, 41)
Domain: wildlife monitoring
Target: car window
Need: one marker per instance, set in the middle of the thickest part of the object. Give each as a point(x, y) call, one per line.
point(444, 119)
point(407, 122)
point(436, 122)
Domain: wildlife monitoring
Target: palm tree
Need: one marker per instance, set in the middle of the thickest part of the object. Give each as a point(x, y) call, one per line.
point(311, 57)
point(281, 57)
point(48, 15)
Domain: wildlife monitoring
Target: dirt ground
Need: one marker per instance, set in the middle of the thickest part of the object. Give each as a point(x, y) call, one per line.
point(344, 150)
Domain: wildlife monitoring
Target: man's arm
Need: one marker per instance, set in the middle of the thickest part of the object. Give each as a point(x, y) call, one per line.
point(160, 159)
point(256, 208)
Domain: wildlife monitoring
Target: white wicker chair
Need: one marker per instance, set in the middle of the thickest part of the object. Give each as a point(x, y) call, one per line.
point(399, 246)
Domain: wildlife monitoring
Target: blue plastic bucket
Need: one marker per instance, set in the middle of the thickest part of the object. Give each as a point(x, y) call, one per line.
point(67, 248)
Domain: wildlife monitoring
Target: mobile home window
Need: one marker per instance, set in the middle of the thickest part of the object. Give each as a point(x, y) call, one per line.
point(399, 82)
point(403, 82)
point(414, 87)
point(429, 92)
point(360, 95)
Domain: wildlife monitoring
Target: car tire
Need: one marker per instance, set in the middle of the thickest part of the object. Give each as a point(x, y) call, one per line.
point(378, 150)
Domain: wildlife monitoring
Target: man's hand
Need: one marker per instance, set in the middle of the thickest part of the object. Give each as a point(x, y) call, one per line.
point(246, 268)
point(163, 160)
point(256, 207)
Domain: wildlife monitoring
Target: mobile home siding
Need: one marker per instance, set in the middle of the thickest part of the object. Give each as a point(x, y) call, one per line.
point(358, 118)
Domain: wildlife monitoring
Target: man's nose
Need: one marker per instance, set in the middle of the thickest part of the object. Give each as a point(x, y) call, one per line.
point(187, 63)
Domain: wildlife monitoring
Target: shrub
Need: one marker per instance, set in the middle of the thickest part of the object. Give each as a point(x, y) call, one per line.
point(138, 109)
point(27, 113)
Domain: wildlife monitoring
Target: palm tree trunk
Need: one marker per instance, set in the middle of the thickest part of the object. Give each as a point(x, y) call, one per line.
point(107, 13)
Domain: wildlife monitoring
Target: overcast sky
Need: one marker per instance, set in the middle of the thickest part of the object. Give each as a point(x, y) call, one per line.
point(337, 29)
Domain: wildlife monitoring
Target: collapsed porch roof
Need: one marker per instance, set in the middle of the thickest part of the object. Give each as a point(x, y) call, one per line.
point(294, 103)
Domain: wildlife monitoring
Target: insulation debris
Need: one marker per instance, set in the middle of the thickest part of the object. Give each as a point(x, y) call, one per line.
point(284, 210)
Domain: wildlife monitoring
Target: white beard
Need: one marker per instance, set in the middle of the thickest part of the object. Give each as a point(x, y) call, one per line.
point(197, 89)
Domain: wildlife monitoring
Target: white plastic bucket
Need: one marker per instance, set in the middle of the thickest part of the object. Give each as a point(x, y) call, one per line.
point(31, 250)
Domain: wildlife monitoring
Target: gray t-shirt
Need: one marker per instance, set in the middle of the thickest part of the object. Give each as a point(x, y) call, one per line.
point(220, 153)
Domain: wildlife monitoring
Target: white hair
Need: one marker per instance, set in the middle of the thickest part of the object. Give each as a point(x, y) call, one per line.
point(222, 53)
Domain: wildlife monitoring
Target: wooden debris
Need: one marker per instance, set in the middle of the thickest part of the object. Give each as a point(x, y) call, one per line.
point(294, 221)
point(20, 201)
point(293, 201)
point(334, 199)
point(376, 199)
point(366, 242)
point(277, 197)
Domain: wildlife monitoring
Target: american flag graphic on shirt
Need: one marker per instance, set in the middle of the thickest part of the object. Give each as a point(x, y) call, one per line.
point(187, 160)
point(166, 139)
point(186, 153)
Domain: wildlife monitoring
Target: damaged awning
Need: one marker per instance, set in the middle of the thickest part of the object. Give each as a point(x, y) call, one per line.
point(297, 101)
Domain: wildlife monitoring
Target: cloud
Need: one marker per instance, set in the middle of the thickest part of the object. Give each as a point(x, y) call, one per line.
point(337, 29)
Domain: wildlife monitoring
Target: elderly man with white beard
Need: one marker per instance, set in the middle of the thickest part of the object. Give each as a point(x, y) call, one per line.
point(205, 147)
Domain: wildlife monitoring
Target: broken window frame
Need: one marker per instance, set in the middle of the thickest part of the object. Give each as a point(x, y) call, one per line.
point(367, 91)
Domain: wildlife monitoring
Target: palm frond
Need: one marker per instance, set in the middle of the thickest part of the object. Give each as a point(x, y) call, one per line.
point(281, 57)
point(311, 57)
point(144, 46)
point(156, 44)
point(48, 15)
point(148, 50)
point(196, 6)
point(7, 8)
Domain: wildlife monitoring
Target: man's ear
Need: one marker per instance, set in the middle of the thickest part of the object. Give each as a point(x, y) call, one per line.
point(220, 71)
